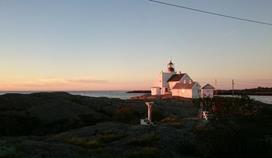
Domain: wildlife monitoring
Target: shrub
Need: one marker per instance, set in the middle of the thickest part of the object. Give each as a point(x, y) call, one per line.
point(156, 115)
point(126, 115)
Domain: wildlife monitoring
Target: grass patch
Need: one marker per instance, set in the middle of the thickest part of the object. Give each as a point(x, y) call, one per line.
point(7, 151)
point(147, 152)
point(93, 143)
point(84, 142)
point(145, 140)
point(126, 115)
point(109, 137)
point(172, 121)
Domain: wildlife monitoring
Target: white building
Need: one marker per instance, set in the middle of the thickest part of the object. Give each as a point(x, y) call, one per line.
point(207, 91)
point(175, 84)
point(186, 90)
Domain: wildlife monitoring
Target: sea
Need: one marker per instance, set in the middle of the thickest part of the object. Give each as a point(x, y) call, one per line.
point(261, 98)
point(108, 94)
point(125, 95)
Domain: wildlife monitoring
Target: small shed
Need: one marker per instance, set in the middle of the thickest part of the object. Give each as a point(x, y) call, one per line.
point(208, 91)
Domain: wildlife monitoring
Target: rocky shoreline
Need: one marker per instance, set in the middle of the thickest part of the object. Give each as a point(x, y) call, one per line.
point(56, 125)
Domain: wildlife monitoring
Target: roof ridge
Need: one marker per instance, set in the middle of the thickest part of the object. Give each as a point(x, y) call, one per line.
point(176, 77)
point(182, 85)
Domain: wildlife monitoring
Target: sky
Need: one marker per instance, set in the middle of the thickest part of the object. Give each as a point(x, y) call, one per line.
point(125, 44)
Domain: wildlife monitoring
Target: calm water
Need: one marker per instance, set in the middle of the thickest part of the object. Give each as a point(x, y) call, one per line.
point(124, 95)
point(108, 94)
point(264, 99)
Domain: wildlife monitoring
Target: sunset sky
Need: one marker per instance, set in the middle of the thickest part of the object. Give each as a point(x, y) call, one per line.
point(124, 44)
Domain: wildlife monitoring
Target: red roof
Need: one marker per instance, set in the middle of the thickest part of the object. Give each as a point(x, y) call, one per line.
point(208, 86)
point(176, 77)
point(184, 86)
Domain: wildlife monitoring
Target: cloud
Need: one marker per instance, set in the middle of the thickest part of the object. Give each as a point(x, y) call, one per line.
point(87, 81)
point(80, 83)
point(74, 80)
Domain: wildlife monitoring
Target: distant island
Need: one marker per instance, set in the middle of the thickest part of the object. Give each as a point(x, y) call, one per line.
point(252, 91)
point(139, 91)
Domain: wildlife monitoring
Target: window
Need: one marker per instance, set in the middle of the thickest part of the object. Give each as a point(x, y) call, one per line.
point(184, 81)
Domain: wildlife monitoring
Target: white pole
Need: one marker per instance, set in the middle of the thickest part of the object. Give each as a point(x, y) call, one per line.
point(149, 110)
point(232, 87)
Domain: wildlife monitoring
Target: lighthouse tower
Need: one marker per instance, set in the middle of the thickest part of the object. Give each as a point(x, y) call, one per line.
point(170, 67)
point(161, 86)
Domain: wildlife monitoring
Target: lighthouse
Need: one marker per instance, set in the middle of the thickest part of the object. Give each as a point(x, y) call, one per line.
point(171, 68)
point(171, 83)
point(161, 86)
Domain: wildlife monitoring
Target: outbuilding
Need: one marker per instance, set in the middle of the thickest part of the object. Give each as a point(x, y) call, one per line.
point(207, 91)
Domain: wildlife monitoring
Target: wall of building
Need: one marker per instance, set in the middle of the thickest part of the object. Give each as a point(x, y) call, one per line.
point(172, 84)
point(161, 80)
point(175, 92)
point(186, 79)
point(207, 93)
point(155, 91)
point(162, 83)
point(196, 93)
point(165, 77)
point(186, 93)
point(158, 81)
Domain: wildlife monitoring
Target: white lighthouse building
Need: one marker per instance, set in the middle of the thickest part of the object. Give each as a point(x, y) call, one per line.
point(161, 86)
point(175, 84)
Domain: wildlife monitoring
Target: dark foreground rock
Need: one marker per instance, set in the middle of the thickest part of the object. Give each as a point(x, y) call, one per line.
point(57, 125)
point(109, 139)
point(49, 113)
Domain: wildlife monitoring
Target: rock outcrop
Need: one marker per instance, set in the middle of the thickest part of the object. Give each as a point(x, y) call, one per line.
point(57, 125)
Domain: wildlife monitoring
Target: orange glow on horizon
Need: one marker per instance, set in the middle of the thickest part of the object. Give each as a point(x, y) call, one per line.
point(85, 85)
point(71, 85)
